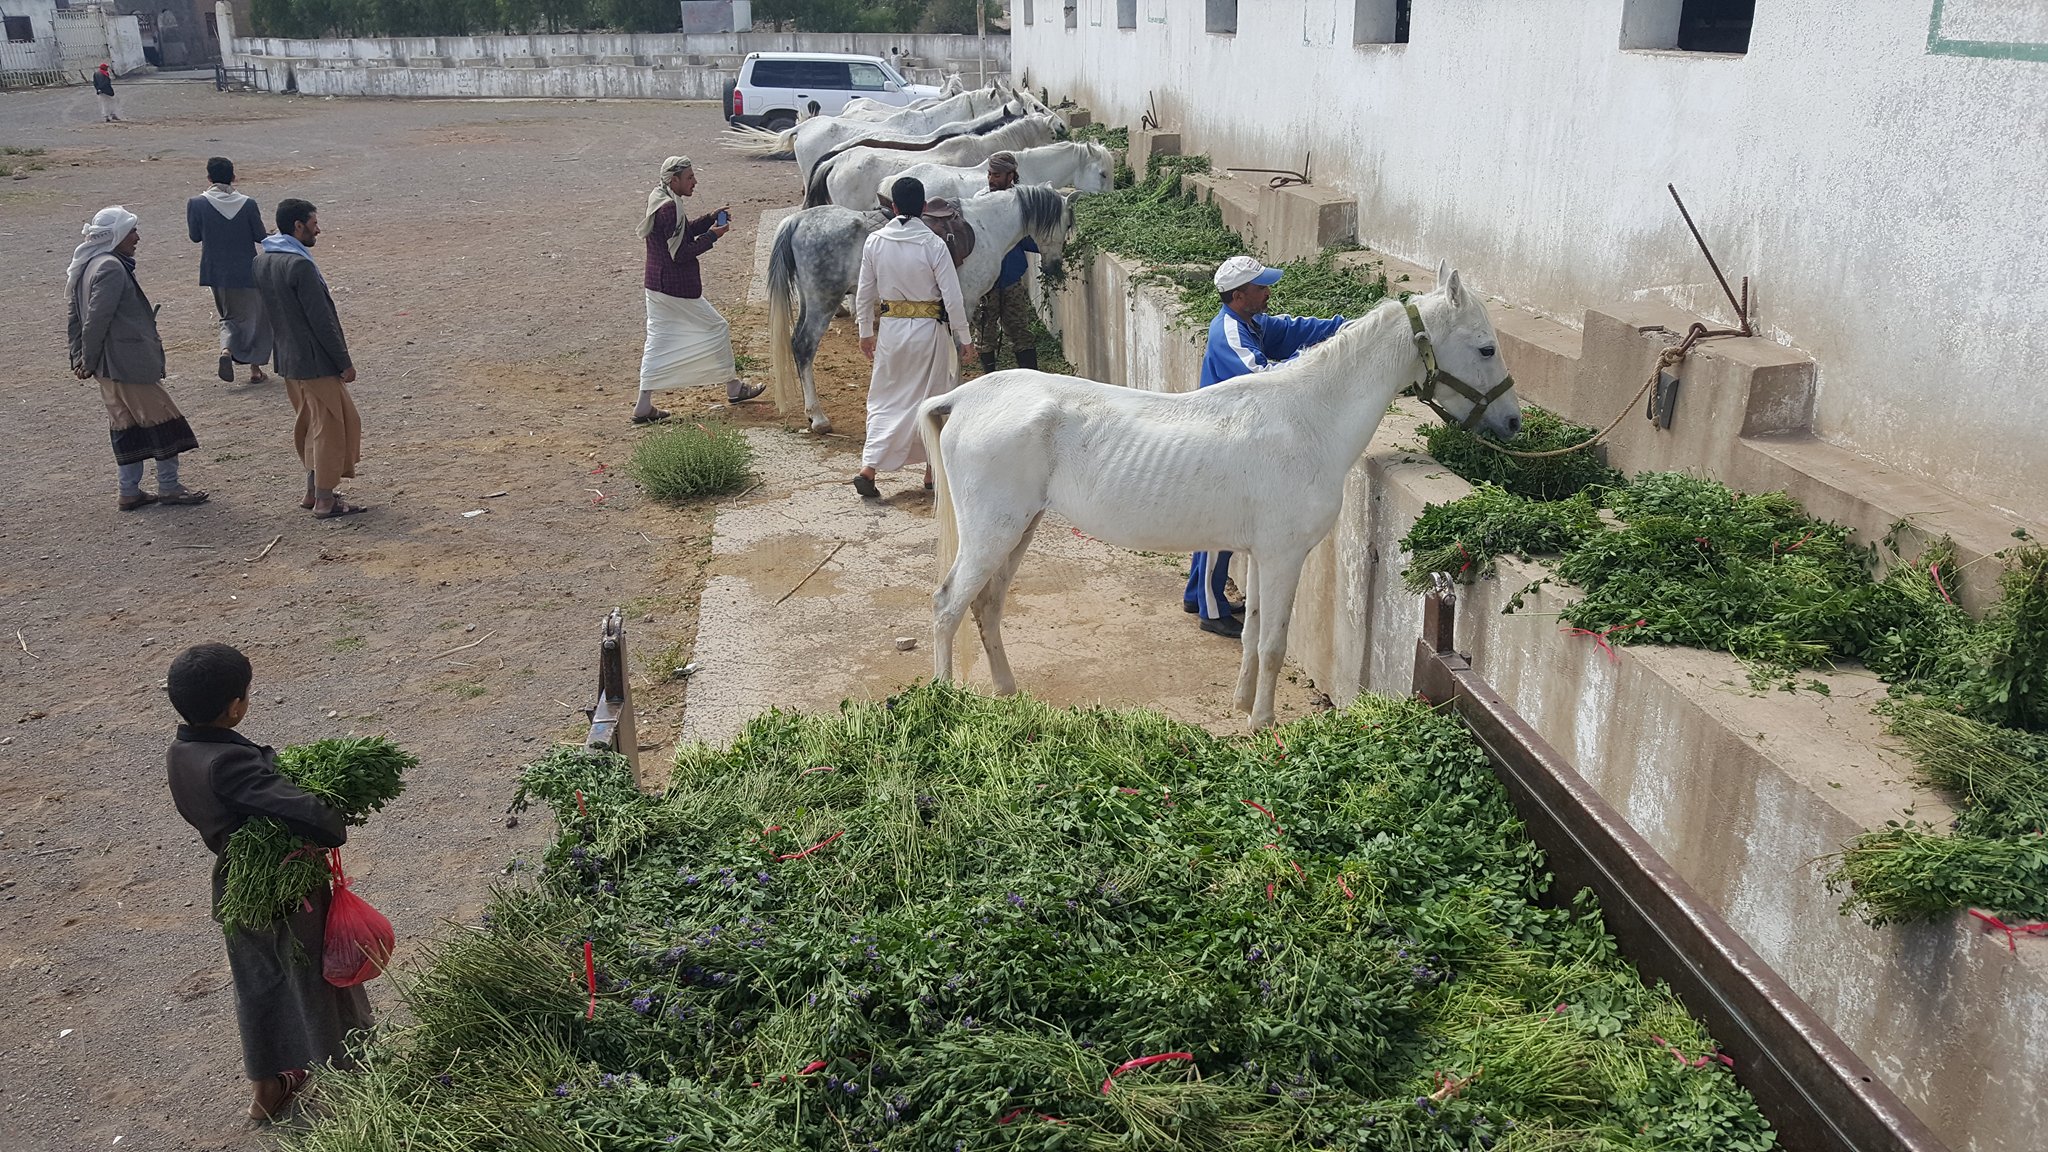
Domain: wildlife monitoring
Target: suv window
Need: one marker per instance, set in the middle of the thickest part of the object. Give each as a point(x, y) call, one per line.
point(773, 74)
point(826, 75)
point(866, 77)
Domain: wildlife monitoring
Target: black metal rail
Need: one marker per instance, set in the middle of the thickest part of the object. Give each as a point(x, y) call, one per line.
point(1819, 1095)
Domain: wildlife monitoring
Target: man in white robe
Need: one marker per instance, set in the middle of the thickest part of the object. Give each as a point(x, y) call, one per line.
point(911, 315)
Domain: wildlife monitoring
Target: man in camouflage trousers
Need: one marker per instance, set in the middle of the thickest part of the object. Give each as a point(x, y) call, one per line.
point(1004, 315)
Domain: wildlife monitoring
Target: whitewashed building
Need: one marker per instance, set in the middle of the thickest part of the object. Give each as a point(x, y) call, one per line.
point(1875, 165)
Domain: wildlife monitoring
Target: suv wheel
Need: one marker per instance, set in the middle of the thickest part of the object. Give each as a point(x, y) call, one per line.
point(780, 122)
point(726, 95)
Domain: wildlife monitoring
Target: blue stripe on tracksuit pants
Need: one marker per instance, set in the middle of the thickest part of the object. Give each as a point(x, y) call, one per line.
point(1239, 347)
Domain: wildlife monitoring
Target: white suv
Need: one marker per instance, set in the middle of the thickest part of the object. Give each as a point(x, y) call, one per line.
point(775, 89)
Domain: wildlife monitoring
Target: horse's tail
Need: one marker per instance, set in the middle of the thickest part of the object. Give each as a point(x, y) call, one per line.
point(816, 192)
point(760, 142)
point(781, 288)
point(931, 423)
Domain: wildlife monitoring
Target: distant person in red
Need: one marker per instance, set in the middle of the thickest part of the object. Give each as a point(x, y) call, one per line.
point(103, 83)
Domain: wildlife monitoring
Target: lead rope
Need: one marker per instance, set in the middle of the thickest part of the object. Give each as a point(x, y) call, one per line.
point(1670, 357)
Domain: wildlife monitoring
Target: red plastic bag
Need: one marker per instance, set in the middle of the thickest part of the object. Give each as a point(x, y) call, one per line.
point(359, 939)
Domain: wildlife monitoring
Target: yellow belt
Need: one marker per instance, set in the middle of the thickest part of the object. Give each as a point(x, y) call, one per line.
point(913, 310)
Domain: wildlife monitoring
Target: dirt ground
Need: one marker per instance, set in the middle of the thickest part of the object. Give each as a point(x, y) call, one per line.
point(484, 261)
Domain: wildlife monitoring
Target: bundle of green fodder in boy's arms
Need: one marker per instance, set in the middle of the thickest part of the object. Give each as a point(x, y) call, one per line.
point(269, 869)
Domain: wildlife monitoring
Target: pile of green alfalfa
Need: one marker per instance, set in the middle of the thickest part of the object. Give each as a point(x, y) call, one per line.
point(1180, 240)
point(1690, 561)
point(948, 922)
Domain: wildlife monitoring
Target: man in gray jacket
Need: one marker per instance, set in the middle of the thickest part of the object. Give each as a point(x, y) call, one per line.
point(312, 356)
point(113, 338)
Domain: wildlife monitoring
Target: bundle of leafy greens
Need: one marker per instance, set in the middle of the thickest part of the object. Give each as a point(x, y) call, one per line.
point(270, 869)
point(946, 921)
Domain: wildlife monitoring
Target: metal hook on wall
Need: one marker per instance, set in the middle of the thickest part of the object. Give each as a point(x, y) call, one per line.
point(1283, 176)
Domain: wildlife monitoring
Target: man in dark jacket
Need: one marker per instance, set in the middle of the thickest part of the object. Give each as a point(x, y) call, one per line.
point(291, 1018)
point(114, 341)
point(1005, 313)
point(312, 356)
point(228, 226)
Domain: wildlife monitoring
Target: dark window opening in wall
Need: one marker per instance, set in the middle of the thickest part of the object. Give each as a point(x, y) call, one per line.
point(1026, 5)
point(20, 31)
point(1127, 13)
point(1715, 25)
point(1221, 16)
point(1073, 13)
point(1379, 21)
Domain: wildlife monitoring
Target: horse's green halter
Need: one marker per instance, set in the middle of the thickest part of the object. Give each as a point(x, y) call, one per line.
point(1434, 377)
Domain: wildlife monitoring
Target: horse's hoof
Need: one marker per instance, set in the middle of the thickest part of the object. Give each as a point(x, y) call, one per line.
point(820, 426)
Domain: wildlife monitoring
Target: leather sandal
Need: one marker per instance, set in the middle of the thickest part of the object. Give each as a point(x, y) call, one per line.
point(289, 1085)
point(139, 500)
point(865, 485)
point(183, 496)
point(745, 392)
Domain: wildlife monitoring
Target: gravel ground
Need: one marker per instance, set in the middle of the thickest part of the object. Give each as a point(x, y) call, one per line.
point(484, 261)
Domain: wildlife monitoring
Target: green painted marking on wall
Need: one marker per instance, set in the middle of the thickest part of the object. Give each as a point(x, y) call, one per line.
point(1940, 45)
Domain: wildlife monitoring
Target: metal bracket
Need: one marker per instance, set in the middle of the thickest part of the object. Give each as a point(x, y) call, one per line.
point(611, 721)
point(1149, 122)
point(1285, 176)
point(1663, 400)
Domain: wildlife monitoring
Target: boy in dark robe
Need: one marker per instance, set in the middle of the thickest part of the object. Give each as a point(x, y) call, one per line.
point(291, 1018)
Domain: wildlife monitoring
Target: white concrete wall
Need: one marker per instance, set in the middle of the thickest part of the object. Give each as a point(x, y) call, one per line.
point(1883, 190)
point(930, 51)
point(42, 54)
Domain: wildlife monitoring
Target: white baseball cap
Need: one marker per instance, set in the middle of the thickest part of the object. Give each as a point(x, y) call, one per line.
point(1239, 271)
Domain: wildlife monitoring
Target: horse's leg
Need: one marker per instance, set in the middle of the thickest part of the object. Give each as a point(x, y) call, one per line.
point(1248, 664)
point(1277, 581)
point(810, 333)
point(988, 611)
point(983, 551)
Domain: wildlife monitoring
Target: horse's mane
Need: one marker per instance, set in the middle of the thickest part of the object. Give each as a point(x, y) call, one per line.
point(1043, 209)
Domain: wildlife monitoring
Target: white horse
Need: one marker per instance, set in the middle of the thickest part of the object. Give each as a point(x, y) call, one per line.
point(1084, 166)
point(813, 138)
point(873, 111)
point(850, 178)
point(815, 262)
point(1254, 465)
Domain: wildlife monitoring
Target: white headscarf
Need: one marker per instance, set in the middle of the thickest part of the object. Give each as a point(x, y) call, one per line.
point(225, 199)
point(108, 228)
point(662, 196)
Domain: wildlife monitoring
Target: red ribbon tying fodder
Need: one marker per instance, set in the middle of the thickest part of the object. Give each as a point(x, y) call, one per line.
point(580, 809)
point(1298, 871)
point(1265, 811)
point(813, 1066)
point(1281, 743)
point(1467, 565)
point(1143, 1062)
point(1346, 887)
point(812, 848)
point(590, 978)
point(2012, 931)
point(1795, 544)
point(1934, 570)
point(1692, 1061)
point(1600, 638)
point(1271, 889)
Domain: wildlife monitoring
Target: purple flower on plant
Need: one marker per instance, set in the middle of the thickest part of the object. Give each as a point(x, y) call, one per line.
point(445, 1080)
point(690, 879)
point(1014, 900)
point(561, 1089)
point(609, 887)
point(642, 1005)
point(761, 878)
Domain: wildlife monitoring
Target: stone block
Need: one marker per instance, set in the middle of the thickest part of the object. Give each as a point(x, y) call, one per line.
point(569, 60)
point(525, 62)
point(1237, 201)
point(429, 62)
point(1147, 144)
point(1300, 220)
point(1542, 354)
point(620, 61)
point(1078, 117)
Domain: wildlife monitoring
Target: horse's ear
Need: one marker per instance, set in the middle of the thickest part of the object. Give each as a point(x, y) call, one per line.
point(1454, 289)
point(1443, 272)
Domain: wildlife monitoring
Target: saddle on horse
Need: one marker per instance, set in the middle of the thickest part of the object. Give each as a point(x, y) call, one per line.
point(943, 217)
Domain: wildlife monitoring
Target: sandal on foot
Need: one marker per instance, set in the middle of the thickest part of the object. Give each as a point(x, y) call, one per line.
point(654, 417)
point(289, 1085)
point(139, 500)
point(182, 496)
point(227, 368)
point(865, 485)
point(745, 393)
point(341, 508)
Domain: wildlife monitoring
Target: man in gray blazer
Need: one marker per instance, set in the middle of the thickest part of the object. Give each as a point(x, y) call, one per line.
point(312, 356)
point(112, 331)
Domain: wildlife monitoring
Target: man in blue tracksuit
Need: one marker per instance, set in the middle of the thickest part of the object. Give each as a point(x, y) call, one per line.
point(1243, 340)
